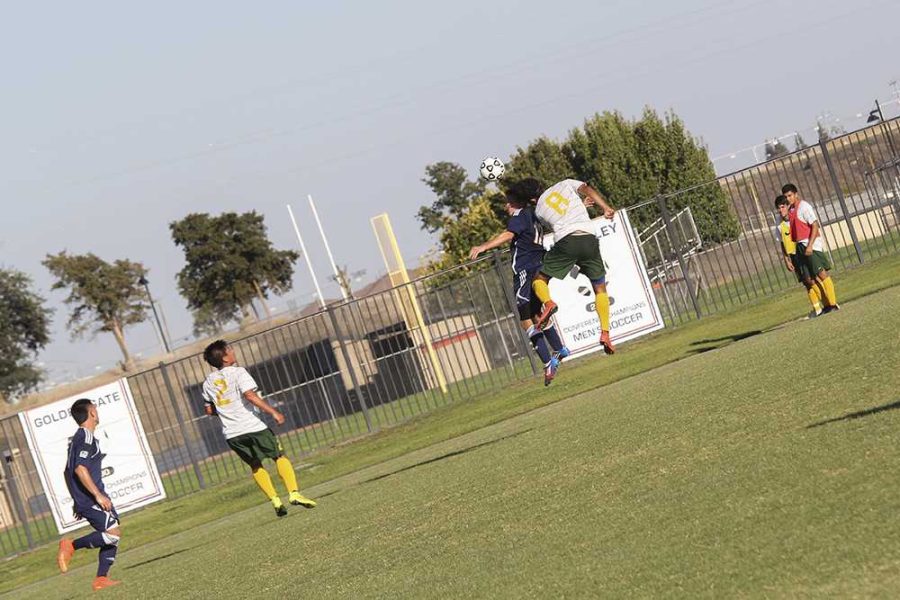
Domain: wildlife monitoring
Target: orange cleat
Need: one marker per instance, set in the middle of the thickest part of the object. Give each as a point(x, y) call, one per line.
point(103, 582)
point(547, 311)
point(607, 343)
point(66, 550)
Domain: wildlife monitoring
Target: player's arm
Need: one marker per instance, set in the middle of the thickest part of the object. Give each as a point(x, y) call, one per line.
point(501, 239)
point(812, 237)
point(84, 476)
point(592, 197)
point(786, 256)
point(256, 400)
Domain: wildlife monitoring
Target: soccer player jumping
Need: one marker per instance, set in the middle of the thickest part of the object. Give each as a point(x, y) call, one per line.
point(562, 208)
point(524, 235)
point(231, 393)
point(89, 500)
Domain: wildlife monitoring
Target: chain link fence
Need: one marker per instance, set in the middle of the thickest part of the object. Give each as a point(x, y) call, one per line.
point(381, 360)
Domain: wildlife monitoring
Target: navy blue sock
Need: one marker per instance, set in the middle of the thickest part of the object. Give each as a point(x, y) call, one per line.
point(540, 344)
point(91, 540)
point(553, 339)
point(107, 557)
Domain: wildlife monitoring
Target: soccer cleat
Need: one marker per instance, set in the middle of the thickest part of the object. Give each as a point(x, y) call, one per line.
point(550, 371)
point(280, 509)
point(607, 343)
point(66, 550)
point(548, 310)
point(103, 582)
point(814, 313)
point(298, 499)
point(563, 353)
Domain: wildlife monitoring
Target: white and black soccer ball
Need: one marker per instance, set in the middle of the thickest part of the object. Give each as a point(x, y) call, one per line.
point(492, 168)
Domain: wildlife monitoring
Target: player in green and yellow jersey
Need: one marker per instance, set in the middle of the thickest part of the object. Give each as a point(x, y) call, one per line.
point(792, 260)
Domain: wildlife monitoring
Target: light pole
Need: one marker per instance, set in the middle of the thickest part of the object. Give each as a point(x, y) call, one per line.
point(143, 281)
point(876, 115)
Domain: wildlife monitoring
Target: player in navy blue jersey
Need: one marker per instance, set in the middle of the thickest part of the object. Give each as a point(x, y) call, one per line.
point(83, 475)
point(524, 236)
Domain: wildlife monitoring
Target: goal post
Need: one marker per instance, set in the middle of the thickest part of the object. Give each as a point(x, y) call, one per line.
point(405, 292)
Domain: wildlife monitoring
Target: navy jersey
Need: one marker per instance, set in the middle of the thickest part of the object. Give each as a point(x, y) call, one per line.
point(84, 449)
point(526, 245)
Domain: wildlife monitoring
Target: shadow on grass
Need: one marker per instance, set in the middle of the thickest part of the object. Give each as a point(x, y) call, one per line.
point(716, 341)
point(156, 558)
point(429, 461)
point(858, 414)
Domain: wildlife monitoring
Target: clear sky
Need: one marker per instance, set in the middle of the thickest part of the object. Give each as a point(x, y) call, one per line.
point(119, 118)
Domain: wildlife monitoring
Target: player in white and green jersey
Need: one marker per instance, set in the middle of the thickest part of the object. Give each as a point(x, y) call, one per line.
point(562, 209)
point(231, 393)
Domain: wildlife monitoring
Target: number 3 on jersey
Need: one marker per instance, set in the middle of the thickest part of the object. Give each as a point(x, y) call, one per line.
point(221, 387)
point(558, 203)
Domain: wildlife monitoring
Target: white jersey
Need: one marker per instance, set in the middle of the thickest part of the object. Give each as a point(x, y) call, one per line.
point(225, 389)
point(561, 209)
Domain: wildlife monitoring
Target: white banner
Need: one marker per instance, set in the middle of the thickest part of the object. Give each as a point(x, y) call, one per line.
point(633, 308)
point(129, 471)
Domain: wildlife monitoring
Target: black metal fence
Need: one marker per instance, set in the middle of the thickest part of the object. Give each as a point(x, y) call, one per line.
point(385, 358)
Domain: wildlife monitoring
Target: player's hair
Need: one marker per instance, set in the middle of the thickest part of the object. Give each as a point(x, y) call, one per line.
point(781, 201)
point(524, 192)
point(789, 187)
point(79, 410)
point(215, 353)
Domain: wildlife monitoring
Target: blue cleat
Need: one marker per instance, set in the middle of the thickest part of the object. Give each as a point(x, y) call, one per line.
point(563, 353)
point(550, 371)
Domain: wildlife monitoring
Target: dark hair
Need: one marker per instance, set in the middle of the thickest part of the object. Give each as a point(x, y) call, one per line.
point(524, 192)
point(215, 352)
point(79, 410)
point(789, 187)
point(781, 201)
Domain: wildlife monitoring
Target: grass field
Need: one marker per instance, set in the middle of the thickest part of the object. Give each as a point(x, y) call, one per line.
point(709, 475)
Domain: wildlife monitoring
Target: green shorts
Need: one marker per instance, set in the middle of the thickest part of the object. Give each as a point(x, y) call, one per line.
point(581, 250)
point(254, 447)
point(810, 266)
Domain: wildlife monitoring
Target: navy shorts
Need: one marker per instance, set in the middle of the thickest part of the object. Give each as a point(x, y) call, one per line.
point(101, 520)
point(527, 303)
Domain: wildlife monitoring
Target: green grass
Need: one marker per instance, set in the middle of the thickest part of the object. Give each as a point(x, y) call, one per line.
point(697, 478)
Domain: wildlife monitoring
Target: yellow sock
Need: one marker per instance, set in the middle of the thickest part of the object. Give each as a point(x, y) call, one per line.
point(830, 295)
point(603, 310)
point(286, 472)
point(262, 479)
point(541, 290)
point(815, 298)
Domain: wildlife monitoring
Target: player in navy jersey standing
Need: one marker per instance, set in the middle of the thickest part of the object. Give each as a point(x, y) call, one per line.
point(524, 236)
point(89, 500)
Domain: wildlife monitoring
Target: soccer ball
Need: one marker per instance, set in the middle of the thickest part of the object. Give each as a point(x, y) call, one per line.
point(492, 168)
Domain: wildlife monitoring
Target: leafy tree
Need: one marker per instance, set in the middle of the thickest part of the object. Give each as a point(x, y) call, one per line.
point(799, 143)
point(105, 297)
point(230, 261)
point(775, 148)
point(824, 136)
point(478, 224)
point(454, 192)
point(24, 330)
point(543, 159)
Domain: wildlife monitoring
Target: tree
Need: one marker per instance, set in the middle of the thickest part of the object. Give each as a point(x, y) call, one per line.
point(799, 143)
point(230, 261)
point(477, 224)
point(776, 148)
point(24, 330)
point(633, 161)
point(106, 297)
point(454, 193)
point(824, 136)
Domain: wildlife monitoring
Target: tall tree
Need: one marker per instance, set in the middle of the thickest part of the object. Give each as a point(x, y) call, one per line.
point(230, 261)
point(24, 330)
point(799, 143)
point(454, 192)
point(776, 148)
point(105, 297)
